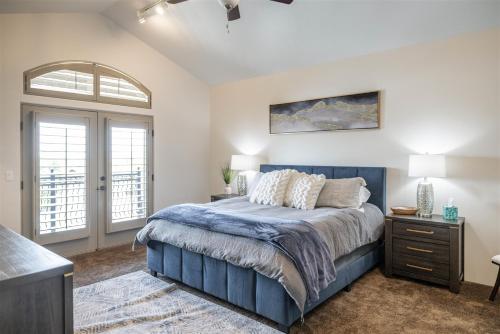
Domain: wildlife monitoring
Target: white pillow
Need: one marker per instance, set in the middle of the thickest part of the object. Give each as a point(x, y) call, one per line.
point(253, 183)
point(364, 195)
point(303, 190)
point(272, 187)
point(341, 193)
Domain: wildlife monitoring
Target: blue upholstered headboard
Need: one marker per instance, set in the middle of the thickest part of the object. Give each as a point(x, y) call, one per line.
point(375, 177)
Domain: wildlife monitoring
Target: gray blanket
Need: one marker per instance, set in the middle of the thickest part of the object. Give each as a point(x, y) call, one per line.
point(343, 230)
point(298, 239)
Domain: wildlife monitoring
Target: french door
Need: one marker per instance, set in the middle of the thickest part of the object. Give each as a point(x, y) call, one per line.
point(87, 177)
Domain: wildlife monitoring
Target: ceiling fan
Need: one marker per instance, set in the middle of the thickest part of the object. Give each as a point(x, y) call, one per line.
point(231, 6)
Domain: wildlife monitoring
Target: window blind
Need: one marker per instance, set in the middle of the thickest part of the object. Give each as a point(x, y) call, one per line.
point(119, 88)
point(66, 81)
point(62, 177)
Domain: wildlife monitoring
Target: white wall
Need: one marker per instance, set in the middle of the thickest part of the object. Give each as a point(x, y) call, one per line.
point(440, 97)
point(180, 101)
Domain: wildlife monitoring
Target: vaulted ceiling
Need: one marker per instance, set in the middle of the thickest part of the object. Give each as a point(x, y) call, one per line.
point(272, 37)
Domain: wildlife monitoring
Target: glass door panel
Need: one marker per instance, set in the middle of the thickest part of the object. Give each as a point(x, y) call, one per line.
point(61, 180)
point(128, 174)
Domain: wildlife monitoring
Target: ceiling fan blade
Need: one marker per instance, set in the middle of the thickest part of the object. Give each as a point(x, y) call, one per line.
point(233, 14)
point(173, 2)
point(284, 1)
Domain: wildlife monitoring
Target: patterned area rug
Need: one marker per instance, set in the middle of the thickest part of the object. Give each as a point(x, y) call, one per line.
point(140, 303)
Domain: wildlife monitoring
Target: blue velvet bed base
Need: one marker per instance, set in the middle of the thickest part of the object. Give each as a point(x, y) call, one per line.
point(245, 287)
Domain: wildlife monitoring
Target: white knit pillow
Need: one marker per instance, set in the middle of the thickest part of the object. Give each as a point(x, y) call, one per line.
point(272, 187)
point(303, 190)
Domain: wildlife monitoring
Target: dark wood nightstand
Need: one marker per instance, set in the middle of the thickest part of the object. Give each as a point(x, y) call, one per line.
point(429, 249)
point(215, 198)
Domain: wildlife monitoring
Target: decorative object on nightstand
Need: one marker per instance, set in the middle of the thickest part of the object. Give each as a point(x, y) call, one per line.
point(218, 197)
point(495, 260)
point(450, 211)
point(429, 249)
point(228, 177)
point(404, 210)
point(243, 163)
point(426, 165)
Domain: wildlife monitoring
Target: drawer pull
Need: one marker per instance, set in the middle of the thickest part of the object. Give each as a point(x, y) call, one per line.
point(419, 231)
point(418, 267)
point(419, 249)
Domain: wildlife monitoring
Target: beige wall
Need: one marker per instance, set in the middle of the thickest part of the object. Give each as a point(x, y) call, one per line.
point(180, 101)
point(440, 97)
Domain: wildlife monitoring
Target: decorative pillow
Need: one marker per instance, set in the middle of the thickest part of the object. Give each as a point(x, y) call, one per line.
point(341, 193)
point(303, 190)
point(364, 195)
point(272, 187)
point(253, 183)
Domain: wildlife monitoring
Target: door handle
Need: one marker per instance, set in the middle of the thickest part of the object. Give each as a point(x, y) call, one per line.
point(102, 188)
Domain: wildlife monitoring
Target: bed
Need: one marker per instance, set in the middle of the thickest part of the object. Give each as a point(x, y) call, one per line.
point(247, 287)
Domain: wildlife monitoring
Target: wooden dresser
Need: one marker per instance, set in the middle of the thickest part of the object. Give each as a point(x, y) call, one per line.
point(36, 288)
point(429, 249)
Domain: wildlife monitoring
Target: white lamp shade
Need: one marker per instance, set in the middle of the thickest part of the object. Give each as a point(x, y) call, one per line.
point(245, 162)
point(427, 165)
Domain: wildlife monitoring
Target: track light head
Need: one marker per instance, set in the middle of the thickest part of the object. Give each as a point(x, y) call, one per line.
point(158, 6)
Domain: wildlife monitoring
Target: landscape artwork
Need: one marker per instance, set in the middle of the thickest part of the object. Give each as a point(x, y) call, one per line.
point(356, 111)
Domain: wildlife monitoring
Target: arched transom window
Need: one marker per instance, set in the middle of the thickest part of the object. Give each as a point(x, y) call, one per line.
point(87, 81)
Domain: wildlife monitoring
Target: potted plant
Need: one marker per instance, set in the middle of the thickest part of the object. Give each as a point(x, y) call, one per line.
point(228, 176)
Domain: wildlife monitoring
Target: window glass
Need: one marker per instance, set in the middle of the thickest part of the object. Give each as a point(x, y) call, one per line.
point(78, 80)
point(62, 177)
point(119, 88)
point(66, 81)
point(129, 173)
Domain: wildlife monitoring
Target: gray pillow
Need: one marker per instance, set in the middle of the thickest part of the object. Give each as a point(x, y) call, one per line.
point(341, 193)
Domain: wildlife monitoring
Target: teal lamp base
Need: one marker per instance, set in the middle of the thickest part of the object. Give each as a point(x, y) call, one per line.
point(425, 199)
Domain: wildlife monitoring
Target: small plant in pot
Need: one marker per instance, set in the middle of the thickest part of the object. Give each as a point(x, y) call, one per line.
point(227, 175)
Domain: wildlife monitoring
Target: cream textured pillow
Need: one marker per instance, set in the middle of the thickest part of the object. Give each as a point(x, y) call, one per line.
point(272, 187)
point(303, 190)
point(341, 193)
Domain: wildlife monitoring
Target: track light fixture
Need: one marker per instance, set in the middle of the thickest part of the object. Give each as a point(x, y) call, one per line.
point(158, 7)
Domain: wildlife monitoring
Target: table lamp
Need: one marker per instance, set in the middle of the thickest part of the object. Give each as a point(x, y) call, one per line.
point(426, 165)
point(243, 163)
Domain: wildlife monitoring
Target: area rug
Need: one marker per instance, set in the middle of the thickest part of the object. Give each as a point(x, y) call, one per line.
point(140, 303)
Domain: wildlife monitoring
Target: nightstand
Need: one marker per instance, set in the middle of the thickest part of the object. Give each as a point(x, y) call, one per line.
point(215, 198)
point(428, 249)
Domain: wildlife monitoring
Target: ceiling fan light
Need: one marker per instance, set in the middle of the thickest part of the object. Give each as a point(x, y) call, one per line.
point(141, 18)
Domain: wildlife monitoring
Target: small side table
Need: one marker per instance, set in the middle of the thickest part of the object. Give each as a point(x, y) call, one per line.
point(218, 197)
point(428, 249)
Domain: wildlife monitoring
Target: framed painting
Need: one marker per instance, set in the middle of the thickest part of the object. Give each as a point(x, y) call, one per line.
point(348, 112)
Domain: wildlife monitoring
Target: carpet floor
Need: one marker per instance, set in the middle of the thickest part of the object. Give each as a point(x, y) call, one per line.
point(375, 304)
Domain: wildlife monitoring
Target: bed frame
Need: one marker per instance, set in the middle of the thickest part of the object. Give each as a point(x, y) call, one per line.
point(252, 291)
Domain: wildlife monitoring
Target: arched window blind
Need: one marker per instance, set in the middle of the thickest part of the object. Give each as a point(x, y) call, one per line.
point(86, 81)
